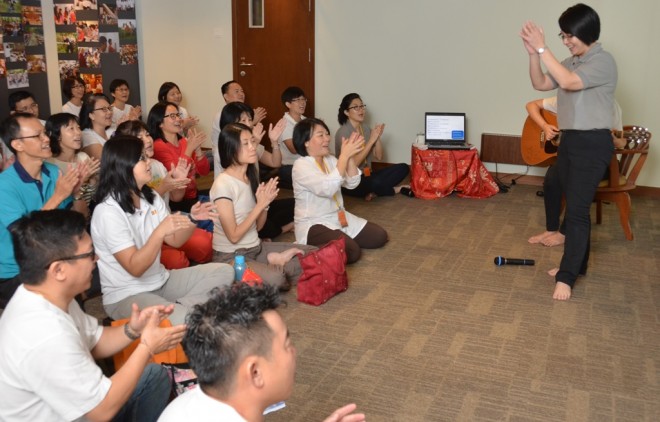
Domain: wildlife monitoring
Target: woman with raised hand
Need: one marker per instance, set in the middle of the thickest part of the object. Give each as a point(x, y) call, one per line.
point(95, 120)
point(170, 146)
point(130, 224)
point(242, 203)
point(318, 178)
point(383, 182)
point(66, 145)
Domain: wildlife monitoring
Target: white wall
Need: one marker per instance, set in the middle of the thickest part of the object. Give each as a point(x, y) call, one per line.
point(405, 58)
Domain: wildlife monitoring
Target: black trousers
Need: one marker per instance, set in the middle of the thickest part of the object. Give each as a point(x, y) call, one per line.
point(582, 159)
point(381, 182)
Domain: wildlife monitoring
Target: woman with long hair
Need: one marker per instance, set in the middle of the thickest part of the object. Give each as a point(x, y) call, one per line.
point(66, 145)
point(95, 120)
point(130, 224)
point(171, 186)
point(170, 146)
point(383, 182)
point(169, 91)
point(242, 203)
point(318, 178)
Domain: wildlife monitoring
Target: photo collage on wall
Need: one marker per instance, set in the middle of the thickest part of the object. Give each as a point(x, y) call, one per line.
point(97, 40)
point(22, 51)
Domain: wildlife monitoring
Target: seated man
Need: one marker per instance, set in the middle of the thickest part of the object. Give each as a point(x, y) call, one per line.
point(48, 344)
point(244, 359)
point(293, 98)
point(21, 102)
point(30, 184)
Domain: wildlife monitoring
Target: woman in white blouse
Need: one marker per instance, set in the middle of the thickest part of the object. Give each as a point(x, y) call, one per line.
point(95, 120)
point(317, 181)
point(73, 89)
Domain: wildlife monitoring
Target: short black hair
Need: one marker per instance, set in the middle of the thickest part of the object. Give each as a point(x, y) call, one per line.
point(303, 131)
point(164, 89)
point(345, 104)
point(229, 145)
point(68, 83)
point(88, 106)
point(54, 126)
point(221, 332)
point(41, 238)
point(231, 113)
point(291, 93)
point(116, 83)
point(18, 96)
point(10, 128)
point(582, 22)
point(131, 127)
point(225, 87)
point(156, 117)
point(120, 154)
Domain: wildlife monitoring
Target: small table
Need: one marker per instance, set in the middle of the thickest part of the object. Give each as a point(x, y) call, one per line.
point(439, 172)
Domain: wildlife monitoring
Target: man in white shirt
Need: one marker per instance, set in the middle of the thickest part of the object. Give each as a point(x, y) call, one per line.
point(48, 344)
point(243, 356)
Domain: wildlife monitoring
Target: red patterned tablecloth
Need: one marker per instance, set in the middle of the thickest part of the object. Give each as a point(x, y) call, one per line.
point(437, 173)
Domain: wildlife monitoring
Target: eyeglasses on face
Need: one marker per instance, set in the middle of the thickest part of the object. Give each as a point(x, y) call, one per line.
point(173, 116)
point(28, 108)
point(77, 86)
point(564, 36)
point(90, 254)
point(299, 99)
point(105, 109)
point(358, 107)
point(41, 134)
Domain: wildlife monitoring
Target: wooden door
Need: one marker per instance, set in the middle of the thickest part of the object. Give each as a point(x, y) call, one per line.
point(278, 54)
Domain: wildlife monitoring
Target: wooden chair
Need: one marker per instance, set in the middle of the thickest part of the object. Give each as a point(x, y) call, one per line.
point(624, 168)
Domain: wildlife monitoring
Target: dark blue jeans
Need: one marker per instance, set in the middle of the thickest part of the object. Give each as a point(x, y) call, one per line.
point(582, 159)
point(381, 182)
point(149, 398)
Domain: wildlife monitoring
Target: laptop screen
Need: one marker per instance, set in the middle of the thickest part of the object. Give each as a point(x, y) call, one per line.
point(445, 127)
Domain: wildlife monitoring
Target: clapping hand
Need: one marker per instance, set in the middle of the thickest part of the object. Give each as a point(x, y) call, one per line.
point(267, 192)
point(353, 145)
point(274, 132)
point(174, 223)
point(204, 211)
point(175, 179)
point(259, 114)
point(258, 133)
point(195, 139)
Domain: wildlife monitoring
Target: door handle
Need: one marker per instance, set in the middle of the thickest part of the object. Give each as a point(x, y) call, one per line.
point(246, 64)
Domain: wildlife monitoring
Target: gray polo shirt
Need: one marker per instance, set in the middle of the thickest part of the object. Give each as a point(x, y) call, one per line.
point(593, 106)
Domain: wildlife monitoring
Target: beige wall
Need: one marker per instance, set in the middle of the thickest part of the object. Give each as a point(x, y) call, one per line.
point(406, 58)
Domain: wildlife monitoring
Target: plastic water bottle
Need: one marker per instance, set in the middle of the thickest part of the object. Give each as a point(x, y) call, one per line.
point(239, 267)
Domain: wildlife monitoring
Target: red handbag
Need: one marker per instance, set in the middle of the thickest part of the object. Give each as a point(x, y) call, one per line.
point(323, 273)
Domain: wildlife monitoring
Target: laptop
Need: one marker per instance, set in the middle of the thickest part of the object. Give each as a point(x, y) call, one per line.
point(445, 131)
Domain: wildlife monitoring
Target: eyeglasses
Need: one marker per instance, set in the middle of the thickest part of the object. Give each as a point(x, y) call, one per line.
point(564, 36)
point(301, 99)
point(38, 135)
point(358, 107)
point(174, 116)
point(90, 254)
point(77, 86)
point(106, 109)
point(27, 109)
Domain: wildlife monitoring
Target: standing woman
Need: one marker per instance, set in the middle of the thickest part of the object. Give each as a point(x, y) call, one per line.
point(95, 120)
point(384, 182)
point(164, 124)
point(586, 82)
point(66, 146)
point(242, 203)
point(317, 181)
point(73, 89)
point(130, 224)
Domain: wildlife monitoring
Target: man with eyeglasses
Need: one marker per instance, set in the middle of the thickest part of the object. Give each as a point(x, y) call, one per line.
point(21, 102)
point(48, 344)
point(30, 184)
point(293, 98)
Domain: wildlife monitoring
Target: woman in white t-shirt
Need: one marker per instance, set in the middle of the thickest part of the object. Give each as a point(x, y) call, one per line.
point(121, 110)
point(73, 89)
point(129, 227)
point(95, 120)
point(66, 146)
point(242, 203)
point(170, 92)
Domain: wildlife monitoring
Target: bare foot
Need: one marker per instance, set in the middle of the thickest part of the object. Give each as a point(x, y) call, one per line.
point(397, 189)
point(553, 272)
point(540, 237)
point(554, 239)
point(370, 196)
point(562, 291)
point(287, 227)
point(281, 258)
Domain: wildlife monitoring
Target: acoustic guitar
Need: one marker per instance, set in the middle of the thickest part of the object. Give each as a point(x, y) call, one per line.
point(535, 148)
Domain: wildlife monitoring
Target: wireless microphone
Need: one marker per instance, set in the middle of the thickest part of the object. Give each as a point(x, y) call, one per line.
point(499, 261)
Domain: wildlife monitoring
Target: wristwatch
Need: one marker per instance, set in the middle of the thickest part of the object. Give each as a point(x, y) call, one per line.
point(541, 50)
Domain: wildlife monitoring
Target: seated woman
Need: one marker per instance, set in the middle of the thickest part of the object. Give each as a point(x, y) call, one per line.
point(169, 91)
point(241, 203)
point(130, 225)
point(383, 182)
point(95, 120)
point(171, 186)
point(280, 213)
point(317, 181)
point(66, 146)
point(73, 89)
point(164, 124)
